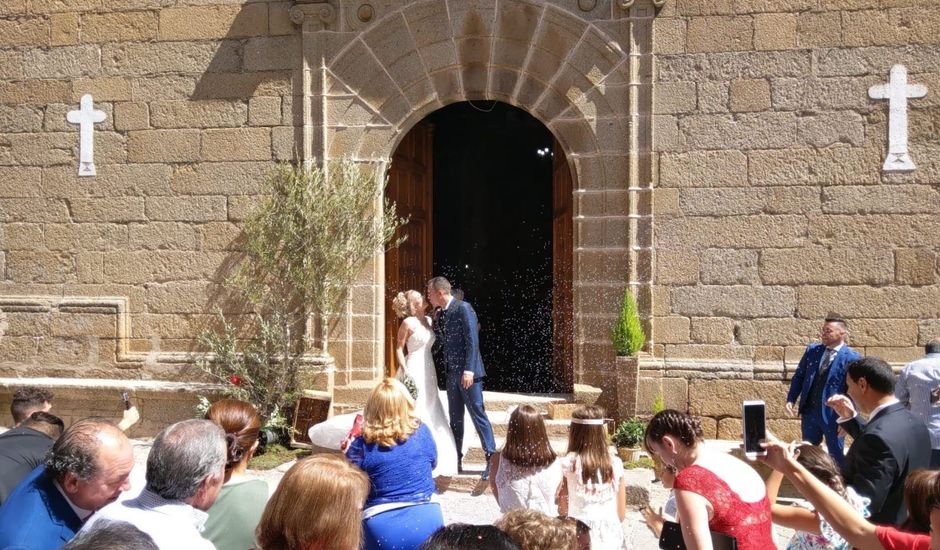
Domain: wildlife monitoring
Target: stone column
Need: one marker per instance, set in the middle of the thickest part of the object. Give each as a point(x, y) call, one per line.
point(313, 17)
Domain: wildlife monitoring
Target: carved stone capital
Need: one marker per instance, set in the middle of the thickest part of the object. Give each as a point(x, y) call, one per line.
point(625, 4)
point(322, 12)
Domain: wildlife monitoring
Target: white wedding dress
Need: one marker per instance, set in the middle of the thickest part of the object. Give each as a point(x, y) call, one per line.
point(420, 366)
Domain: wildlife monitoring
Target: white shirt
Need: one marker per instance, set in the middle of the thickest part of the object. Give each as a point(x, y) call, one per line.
point(80, 512)
point(873, 412)
point(172, 524)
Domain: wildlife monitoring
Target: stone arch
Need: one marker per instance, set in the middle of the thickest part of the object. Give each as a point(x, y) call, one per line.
point(572, 71)
point(565, 70)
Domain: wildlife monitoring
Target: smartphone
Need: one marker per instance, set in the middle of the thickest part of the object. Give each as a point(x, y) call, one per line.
point(755, 428)
point(126, 399)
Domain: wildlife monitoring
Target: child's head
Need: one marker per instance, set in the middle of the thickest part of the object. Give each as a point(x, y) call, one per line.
point(667, 474)
point(587, 437)
point(581, 530)
point(533, 530)
point(918, 488)
point(821, 465)
point(527, 442)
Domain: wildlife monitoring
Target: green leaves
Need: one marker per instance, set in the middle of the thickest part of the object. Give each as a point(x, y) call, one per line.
point(627, 335)
point(629, 433)
point(313, 232)
point(260, 370)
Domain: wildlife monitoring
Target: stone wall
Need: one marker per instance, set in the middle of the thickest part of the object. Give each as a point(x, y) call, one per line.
point(725, 155)
point(771, 208)
point(199, 103)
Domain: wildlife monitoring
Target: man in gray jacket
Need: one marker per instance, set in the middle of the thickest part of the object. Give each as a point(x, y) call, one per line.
point(916, 384)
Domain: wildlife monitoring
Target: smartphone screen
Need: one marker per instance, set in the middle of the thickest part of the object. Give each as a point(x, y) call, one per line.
point(754, 428)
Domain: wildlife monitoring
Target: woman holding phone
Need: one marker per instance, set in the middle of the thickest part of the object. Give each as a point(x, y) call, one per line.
point(714, 491)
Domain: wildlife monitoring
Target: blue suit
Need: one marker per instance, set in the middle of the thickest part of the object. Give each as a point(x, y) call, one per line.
point(818, 420)
point(36, 516)
point(457, 346)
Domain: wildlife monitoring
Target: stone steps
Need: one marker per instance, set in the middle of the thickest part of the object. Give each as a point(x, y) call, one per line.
point(556, 429)
point(475, 455)
point(357, 392)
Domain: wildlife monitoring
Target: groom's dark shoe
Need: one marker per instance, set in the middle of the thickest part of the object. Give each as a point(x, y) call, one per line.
point(485, 476)
point(459, 464)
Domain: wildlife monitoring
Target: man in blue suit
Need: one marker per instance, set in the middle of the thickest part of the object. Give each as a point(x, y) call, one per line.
point(819, 376)
point(88, 468)
point(457, 347)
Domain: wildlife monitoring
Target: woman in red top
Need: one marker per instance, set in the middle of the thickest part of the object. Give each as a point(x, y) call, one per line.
point(714, 490)
point(843, 517)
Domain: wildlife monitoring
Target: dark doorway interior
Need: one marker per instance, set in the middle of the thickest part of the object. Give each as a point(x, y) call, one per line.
point(493, 234)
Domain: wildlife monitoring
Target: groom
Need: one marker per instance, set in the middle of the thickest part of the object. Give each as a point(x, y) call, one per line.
point(457, 348)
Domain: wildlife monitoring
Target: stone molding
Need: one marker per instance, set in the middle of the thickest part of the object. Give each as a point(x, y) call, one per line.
point(322, 13)
point(120, 308)
point(626, 4)
point(733, 369)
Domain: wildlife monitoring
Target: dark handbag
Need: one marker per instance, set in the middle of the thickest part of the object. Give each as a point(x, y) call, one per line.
point(671, 539)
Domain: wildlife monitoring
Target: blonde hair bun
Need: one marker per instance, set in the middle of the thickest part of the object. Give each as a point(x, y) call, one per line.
point(400, 305)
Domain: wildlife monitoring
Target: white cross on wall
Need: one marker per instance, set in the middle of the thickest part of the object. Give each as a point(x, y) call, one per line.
point(86, 117)
point(896, 92)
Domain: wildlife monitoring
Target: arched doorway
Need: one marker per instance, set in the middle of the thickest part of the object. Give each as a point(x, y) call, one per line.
point(489, 194)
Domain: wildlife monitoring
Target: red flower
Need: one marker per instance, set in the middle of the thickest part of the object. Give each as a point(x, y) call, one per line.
point(235, 379)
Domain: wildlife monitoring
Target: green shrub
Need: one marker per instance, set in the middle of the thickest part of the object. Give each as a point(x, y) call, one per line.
point(659, 403)
point(628, 336)
point(629, 433)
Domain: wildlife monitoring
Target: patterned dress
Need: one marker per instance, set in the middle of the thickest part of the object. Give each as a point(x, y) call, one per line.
point(829, 539)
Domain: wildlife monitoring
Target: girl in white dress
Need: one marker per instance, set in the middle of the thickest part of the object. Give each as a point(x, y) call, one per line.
point(526, 473)
point(593, 490)
point(413, 351)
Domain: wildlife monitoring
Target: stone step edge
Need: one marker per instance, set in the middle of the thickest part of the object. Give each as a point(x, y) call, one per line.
point(496, 417)
point(111, 383)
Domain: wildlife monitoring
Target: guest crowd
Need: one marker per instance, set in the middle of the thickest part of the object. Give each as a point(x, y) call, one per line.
point(78, 488)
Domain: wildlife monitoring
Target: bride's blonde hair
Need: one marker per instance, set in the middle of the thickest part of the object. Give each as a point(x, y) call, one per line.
point(401, 305)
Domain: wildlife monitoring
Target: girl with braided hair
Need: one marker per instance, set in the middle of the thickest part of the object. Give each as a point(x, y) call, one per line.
point(714, 490)
point(237, 511)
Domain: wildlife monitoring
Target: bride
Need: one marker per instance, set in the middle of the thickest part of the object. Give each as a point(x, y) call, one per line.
point(415, 336)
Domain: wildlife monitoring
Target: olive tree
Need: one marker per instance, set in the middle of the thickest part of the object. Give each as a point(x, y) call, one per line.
point(314, 229)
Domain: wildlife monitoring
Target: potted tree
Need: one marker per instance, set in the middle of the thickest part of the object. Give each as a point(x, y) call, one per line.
point(313, 231)
point(627, 439)
point(627, 337)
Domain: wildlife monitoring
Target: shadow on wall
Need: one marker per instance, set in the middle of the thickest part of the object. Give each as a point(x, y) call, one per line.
point(257, 60)
point(254, 62)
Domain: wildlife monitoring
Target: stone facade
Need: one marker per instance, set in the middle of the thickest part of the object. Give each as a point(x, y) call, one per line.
point(725, 155)
point(771, 206)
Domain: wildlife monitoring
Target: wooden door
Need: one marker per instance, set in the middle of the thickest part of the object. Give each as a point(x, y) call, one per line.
point(562, 256)
point(410, 184)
